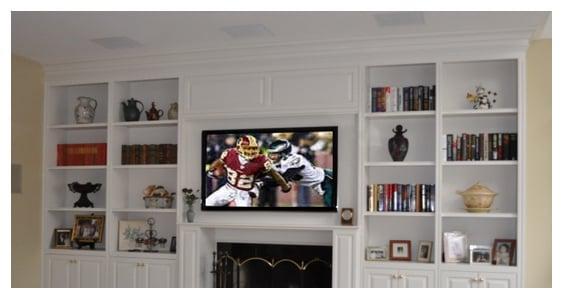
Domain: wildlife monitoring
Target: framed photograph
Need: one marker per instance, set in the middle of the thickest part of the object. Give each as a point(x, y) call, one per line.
point(503, 253)
point(480, 254)
point(424, 251)
point(129, 232)
point(400, 250)
point(88, 228)
point(455, 247)
point(63, 238)
point(173, 244)
point(376, 253)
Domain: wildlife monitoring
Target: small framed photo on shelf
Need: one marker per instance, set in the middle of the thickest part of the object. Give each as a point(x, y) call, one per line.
point(129, 232)
point(88, 228)
point(424, 251)
point(400, 250)
point(503, 253)
point(376, 253)
point(480, 254)
point(63, 238)
point(455, 247)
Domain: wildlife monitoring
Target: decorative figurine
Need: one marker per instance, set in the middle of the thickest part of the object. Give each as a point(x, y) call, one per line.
point(398, 144)
point(189, 198)
point(84, 190)
point(173, 111)
point(84, 112)
point(149, 239)
point(131, 112)
point(482, 98)
point(153, 113)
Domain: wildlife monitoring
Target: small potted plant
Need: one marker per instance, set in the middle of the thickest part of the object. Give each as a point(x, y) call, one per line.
point(189, 197)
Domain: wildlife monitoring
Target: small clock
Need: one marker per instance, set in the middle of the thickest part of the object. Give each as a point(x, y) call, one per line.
point(347, 216)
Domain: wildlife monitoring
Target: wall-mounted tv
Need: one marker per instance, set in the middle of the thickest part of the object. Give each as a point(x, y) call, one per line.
point(277, 169)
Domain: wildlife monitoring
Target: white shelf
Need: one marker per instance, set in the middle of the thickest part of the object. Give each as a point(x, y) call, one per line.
point(144, 210)
point(76, 210)
point(145, 255)
point(476, 113)
point(400, 164)
point(479, 215)
point(400, 214)
point(406, 114)
point(477, 267)
point(79, 126)
point(270, 226)
point(146, 123)
point(147, 166)
point(77, 168)
point(77, 252)
point(481, 163)
point(398, 265)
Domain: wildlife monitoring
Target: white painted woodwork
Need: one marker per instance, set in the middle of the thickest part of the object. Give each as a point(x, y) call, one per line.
point(416, 279)
point(143, 273)
point(343, 257)
point(92, 272)
point(66, 271)
point(380, 278)
point(499, 280)
point(459, 279)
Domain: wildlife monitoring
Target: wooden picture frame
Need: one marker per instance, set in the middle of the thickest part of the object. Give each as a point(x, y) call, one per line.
point(425, 250)
point(400, 250)
point(88, 228)
point(503, 252)
point(63, 238)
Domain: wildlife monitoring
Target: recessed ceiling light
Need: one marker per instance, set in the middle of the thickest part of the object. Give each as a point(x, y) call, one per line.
point(247, 31)
point(117, 42)
point(399, 18)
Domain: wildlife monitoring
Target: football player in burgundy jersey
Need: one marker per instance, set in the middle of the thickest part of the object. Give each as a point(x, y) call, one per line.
point(243, 165)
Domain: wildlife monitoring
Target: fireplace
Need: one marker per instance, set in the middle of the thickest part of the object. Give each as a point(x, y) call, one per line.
point(272, 266)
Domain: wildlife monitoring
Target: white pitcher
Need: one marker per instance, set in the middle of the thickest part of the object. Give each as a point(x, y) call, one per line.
point(85, 112)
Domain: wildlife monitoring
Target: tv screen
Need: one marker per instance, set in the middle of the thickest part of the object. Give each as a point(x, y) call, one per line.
point(270, 169)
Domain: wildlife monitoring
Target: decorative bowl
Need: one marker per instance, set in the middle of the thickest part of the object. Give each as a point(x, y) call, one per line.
point(478, 198)
point(158, 202)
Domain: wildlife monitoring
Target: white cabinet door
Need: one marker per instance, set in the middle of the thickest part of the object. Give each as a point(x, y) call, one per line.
point(498, 280)
point(416, 279)
point(380, 278)
point(60, 271)
point(458, 279)
point(91, 272)
point(125, 273)
point(160, 273)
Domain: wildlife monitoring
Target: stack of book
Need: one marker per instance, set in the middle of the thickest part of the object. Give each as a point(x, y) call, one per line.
point(401, 198)
point(482, 146)
point(149, 154)
point(94, 154)
point(397, 99)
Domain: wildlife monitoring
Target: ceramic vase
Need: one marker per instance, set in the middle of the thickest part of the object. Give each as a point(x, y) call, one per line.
point(190, 214)
point(85, 110)
point(398, 144)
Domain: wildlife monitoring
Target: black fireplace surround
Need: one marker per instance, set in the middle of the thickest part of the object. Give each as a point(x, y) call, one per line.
point(243, 265)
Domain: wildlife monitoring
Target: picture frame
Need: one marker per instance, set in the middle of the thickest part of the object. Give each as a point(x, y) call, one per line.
point(88, 228)
point(425, 249)
point(503, 252)
point(129, 231)
point(376, 253)
point(173, 244)
point(480, 254)
point(63, 238)
point(400, 250)
point(455, 247)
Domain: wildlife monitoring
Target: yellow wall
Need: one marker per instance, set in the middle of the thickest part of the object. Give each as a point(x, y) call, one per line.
point(539, 165)
point(27, 119)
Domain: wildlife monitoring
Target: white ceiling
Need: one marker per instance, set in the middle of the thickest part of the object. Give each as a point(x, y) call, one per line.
point(57, 37)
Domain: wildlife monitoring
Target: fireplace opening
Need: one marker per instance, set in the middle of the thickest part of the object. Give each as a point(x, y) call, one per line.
point(243, 265)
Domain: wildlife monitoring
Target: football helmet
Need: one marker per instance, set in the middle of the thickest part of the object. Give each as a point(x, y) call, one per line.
point(279, 149)
point(247, 147)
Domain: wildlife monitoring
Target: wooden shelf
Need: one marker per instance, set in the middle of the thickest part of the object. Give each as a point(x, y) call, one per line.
point(146, 123)
point(476, 113)
point(77, 168)
point(79, 126)
point(144, 210)
point(407, 114)
point(480, 163)
point(151, 166)
point(400, 164)
point(401, 214)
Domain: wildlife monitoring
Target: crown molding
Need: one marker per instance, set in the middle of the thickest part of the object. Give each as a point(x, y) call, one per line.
point(512, 38)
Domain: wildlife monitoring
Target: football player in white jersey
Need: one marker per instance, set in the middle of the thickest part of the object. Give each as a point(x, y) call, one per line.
point(295, 167)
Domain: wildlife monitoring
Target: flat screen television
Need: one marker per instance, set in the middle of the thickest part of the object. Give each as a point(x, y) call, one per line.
point(277, 169)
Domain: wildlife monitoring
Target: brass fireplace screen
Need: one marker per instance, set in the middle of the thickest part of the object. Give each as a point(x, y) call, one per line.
point(235, 272)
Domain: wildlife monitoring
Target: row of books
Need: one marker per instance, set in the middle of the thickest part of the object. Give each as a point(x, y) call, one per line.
point(482, 146)
point(396, 197)
point(397, 99)
point(149, 154)
point(90, 154)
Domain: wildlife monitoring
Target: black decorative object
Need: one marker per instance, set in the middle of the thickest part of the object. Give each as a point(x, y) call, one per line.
point(131, 112)
point(173, 244)
point(149, 239)
point(398, 144)
point(84, 190)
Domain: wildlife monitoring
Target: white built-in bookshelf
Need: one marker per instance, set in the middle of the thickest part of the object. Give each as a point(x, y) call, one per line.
point(426, 163)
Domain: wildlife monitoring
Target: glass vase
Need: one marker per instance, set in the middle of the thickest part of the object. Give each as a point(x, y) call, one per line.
point(190, 214)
